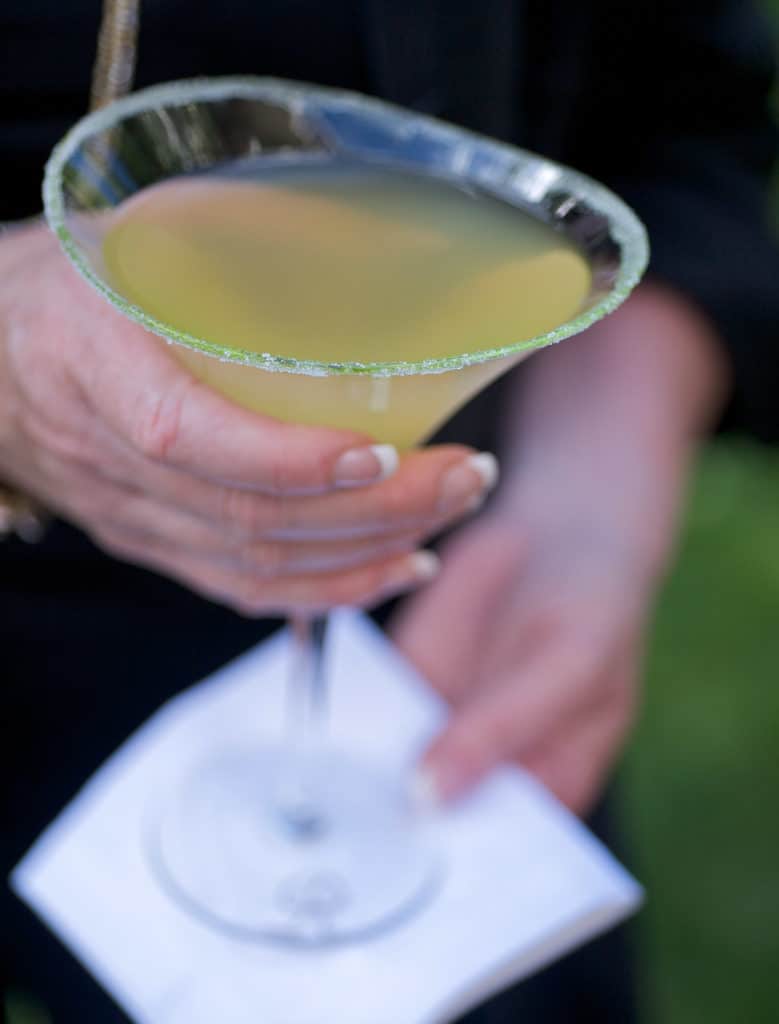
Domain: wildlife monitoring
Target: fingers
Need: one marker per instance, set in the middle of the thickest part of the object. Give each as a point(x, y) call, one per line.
point(254, 595)
point(133, 524)
point(430, 489)
point(258, 477)
point(260, 536)
point(575, 763)
point(140, 521)
point(167, 416)
point(509, 716)
point(259, 487)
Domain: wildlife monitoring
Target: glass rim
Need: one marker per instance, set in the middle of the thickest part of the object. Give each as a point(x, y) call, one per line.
point(625, 227)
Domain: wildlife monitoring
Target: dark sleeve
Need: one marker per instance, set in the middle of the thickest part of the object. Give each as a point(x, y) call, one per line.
point(678, 121)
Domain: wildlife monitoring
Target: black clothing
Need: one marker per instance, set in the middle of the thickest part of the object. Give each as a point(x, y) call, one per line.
point(666, 102)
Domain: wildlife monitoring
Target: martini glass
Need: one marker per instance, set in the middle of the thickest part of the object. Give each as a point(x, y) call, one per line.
point(294, 841)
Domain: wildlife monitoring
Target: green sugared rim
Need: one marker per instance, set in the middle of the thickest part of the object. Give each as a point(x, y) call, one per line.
point(626, 229)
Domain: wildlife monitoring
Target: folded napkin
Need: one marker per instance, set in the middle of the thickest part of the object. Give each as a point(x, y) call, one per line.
point(524, 881)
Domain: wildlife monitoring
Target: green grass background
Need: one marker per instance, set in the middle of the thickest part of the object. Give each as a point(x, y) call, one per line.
point(700, 783)
point(701, 779)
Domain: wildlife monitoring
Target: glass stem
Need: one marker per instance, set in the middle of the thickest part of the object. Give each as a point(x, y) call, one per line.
point(300, 802)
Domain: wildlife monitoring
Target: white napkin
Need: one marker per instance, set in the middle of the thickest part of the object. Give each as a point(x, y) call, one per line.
point(525, 881)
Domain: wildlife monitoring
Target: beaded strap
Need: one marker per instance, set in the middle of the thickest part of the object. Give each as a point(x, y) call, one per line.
point(112, 75)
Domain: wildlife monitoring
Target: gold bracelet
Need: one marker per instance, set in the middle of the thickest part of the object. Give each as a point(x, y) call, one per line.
point(22, 516)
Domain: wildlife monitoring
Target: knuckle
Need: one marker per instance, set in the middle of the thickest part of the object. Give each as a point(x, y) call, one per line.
point(109, 507)
point(234, 511)
point(99, 507)
point(278, 514)
point(295, 468)
point(281, 469)
point(265, 560)
point(395, 500)
point(115, 542)
point(156, 424)
point(79, 450)
point(283, 472)
point(56, 437)
point(28, 422)
point(247, 515)
point(57, 427)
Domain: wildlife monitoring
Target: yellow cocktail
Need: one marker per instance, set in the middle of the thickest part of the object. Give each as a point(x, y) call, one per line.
point(344, 262)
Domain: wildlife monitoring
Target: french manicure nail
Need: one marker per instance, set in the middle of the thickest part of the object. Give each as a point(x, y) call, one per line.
point(420, 567)
point(486, 465)
point(465, 485)
point(425, 565)
point(365, 465)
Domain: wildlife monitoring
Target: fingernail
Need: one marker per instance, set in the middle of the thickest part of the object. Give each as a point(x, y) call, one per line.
point(425, 565)
point(467, 483)
point(434, 785)
point(365, 465)
point(420, 567)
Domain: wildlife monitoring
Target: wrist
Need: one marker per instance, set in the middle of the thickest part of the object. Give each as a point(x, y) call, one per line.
point(599, 533)
point(604, 427)
point(24, 246)
point(654, 372)
point(20, 514)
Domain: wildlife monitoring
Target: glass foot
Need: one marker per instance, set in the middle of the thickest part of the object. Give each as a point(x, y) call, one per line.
point(222, 846)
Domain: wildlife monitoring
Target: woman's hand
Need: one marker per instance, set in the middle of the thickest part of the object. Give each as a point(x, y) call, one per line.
point(534, 639)
point(100, 423)
point(534, 628)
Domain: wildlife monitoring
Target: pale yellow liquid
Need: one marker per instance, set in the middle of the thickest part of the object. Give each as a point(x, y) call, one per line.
point(343, 263)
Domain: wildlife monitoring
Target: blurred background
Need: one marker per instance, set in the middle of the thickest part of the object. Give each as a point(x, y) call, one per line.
point(700, 782)
point(700, 785)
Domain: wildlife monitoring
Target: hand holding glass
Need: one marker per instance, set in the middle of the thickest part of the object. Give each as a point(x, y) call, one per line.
point(325, 259)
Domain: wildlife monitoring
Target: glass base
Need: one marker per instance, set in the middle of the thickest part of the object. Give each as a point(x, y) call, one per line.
point(223, 848)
